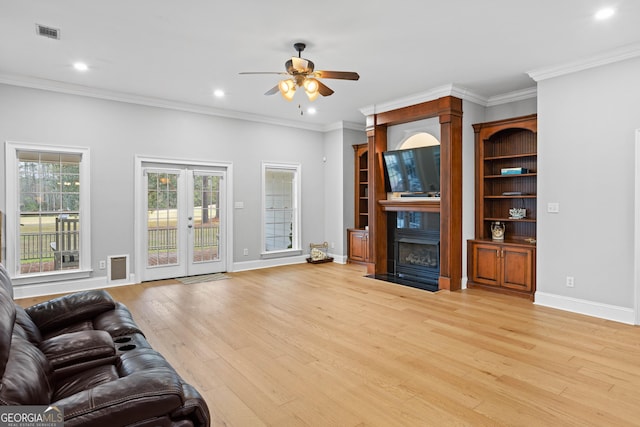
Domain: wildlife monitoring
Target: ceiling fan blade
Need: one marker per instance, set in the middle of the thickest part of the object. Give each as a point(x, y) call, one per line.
point(343, 75)
point(263, 72)
point(324, 89)
point(272, 91)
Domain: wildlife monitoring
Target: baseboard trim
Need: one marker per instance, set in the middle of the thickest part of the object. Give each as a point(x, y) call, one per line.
point(339, 259)
point(266, 263)
point(588, 308)
point(65, 287)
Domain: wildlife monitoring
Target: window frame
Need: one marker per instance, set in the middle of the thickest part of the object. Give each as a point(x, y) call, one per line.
point(12, 204)
point(296, 248)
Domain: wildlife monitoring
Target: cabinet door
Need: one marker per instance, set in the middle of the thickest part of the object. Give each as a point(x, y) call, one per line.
point(358, 245)
point(517, 264)
point(485, 264)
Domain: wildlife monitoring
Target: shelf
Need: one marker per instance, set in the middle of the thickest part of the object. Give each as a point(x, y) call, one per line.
point(511, 175)
point(507, 219)
point(410, 205)
point(520, 241)
point(519, 196)
point(511, 156)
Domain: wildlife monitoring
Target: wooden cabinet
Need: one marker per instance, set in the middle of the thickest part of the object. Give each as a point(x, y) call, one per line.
point(507, 266)
point(506, 179)
point(358, 245)
point(358, 237)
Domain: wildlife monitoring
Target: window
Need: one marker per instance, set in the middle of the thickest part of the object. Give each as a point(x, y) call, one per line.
point(281, 213)
point(47, 211)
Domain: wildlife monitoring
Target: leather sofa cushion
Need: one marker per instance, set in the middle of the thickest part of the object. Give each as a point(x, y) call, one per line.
point(26, 377)
point(117, 322)
point(85, 325)
point(61, 312)
point(157, 393)
point(31, 331)
point(7, 321)
point(77, 347)
point(85, 380)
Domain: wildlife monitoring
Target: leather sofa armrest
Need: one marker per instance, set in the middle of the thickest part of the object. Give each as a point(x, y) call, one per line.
point(194, 407)
point(145, 395)
point(62, 311)
point(77, 347)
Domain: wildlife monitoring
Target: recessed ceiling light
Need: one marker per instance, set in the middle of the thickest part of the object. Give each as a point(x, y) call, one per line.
point(218, 93)
point(311, 110)
point(604, 13)
point(80, 66)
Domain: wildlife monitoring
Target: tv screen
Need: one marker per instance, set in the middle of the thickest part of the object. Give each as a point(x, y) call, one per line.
point(415, 170)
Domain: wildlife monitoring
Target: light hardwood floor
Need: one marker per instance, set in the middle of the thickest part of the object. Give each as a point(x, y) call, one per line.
point(321, 345)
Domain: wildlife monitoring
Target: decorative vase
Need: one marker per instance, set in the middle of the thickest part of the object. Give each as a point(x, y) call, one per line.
point(497, 230)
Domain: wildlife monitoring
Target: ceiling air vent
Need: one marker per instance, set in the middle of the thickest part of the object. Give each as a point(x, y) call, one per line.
point(44, 31)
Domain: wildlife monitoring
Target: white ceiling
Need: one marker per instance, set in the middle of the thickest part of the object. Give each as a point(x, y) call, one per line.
point(180, 51)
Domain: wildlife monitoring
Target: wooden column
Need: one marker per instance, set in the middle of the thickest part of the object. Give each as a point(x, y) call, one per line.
point(449, 111)
point(450, 195)
point(377, 140)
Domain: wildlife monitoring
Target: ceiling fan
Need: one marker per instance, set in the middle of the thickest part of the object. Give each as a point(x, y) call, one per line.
point(301, 73)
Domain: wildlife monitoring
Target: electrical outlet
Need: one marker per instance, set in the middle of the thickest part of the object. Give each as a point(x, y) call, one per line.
point(245, 252)
point(333, 245)
point(103, 265)
point(570, 282)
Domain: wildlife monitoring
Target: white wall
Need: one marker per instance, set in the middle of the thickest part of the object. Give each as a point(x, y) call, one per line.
point(512, 109)
point(115, 132)
point(586, 125)
point(471, 113)
point(339, 195)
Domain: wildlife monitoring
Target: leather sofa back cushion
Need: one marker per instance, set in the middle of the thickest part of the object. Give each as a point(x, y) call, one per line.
point(31, 331)
point(26, 378)
point(63, 311)
point(5, 281)
point(7, 320)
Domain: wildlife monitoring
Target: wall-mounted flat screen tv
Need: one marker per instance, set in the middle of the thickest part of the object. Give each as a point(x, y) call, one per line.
point(414, 170)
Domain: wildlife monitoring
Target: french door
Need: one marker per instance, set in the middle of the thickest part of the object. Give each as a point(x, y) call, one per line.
point(185, 223)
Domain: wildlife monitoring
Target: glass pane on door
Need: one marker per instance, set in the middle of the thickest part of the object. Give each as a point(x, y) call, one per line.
point(206, 217)
point(162, 218)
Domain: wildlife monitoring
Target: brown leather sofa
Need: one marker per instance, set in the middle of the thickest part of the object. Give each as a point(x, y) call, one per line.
point(84, 354)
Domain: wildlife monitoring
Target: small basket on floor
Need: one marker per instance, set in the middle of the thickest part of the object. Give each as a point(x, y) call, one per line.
point(318, 253)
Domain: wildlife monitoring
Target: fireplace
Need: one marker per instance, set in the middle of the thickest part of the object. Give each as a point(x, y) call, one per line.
point(413, 249)
point(417, 256)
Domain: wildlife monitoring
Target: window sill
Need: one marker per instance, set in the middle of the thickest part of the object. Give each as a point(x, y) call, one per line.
point(281, 254)
point(50, 277)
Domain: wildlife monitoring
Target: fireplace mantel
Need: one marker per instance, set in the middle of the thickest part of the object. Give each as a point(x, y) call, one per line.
point(391, 205)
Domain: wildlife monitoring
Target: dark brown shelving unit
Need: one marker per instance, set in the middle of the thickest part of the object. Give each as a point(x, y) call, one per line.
point(358, 237)
point(508, 265)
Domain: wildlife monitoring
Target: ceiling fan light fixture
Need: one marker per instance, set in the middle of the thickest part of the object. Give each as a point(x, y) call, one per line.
point(311, 87)
point(287, 89)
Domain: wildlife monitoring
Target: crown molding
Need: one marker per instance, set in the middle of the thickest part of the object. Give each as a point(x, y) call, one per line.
point(609, 57)
point(73, 89)
point(418, 98)
point(450, 90)
point(516, 95)
point(345, 125)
